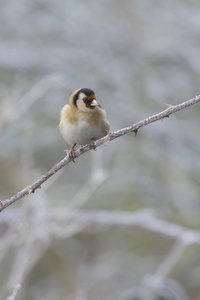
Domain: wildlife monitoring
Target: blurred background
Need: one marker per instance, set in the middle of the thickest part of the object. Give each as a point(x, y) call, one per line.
point(66, 240)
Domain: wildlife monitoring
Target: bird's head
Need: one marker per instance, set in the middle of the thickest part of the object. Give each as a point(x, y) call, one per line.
point(84, 99)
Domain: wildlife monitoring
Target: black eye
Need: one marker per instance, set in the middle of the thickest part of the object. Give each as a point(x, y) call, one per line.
point(86, 101)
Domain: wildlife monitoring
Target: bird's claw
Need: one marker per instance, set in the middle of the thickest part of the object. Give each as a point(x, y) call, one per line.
point(71, 153)
point(92, 145)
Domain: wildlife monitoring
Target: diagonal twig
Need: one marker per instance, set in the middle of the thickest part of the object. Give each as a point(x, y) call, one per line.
point(133, 128)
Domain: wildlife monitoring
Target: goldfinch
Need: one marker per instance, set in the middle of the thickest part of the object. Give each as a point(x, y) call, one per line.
point(82, 120)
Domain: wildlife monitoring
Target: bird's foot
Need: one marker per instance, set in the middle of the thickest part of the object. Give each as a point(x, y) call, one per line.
point(71, 153)
point(92, 144)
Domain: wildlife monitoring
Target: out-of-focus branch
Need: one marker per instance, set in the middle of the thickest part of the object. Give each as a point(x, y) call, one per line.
point(140, 219)
point(152, 285)
point(17, 108)
point(133, 128)
point(14, 293)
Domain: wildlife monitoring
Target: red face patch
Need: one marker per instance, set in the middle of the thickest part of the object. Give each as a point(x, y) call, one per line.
point(87, 100)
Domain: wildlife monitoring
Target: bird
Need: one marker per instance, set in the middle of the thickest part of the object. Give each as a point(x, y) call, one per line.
point(82, 120)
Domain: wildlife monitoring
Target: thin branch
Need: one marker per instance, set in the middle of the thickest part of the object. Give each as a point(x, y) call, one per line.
point(133, 128)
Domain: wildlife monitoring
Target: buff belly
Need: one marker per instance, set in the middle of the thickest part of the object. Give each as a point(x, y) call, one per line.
point(80, 133)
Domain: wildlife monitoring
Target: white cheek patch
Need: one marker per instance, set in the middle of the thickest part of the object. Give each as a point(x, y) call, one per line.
point(81, 105)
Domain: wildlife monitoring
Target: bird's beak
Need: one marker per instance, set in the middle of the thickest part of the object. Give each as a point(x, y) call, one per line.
point(94, 103)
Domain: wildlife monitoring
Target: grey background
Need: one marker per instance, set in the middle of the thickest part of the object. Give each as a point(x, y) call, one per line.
point(137, 56)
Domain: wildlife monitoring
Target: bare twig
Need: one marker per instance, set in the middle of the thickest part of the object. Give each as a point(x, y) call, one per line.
point(133, 128)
